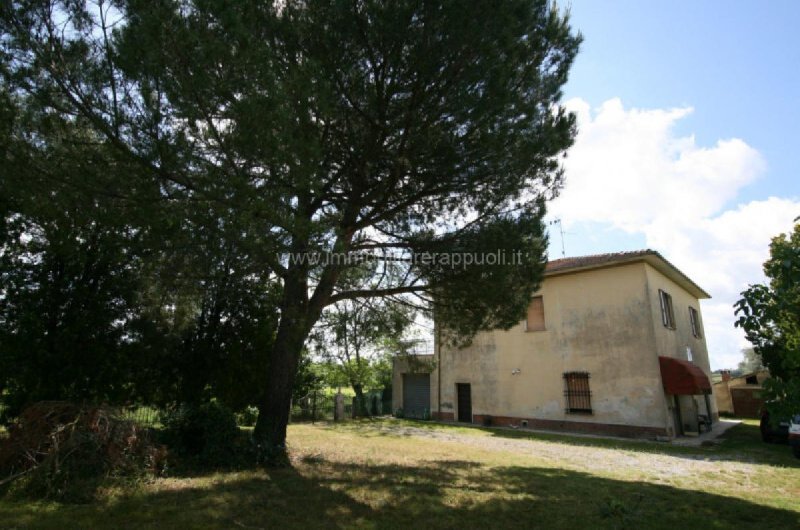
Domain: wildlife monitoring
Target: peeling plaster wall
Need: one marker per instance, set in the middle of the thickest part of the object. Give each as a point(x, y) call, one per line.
point(674, 342)
point(599, 321)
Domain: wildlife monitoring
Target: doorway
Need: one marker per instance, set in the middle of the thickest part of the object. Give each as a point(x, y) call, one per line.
point(678, 421)
point(464, 392)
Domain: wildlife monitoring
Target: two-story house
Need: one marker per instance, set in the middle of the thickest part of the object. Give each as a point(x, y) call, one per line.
point(611, 344)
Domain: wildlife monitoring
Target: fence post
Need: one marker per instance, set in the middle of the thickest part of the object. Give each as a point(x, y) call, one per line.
point(338, 407)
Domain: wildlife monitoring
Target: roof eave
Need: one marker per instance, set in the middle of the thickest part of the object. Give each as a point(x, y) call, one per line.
point(652, 258)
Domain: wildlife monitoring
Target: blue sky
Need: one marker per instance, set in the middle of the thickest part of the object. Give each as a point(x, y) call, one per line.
point(688, 143)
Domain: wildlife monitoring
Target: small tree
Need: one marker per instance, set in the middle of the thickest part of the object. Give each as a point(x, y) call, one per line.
point(770, 317)
point(353, 336)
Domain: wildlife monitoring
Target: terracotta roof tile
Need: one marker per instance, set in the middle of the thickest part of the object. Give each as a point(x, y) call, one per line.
point(579, 262)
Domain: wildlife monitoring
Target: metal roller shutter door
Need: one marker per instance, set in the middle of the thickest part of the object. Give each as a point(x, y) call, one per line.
point(416, 395)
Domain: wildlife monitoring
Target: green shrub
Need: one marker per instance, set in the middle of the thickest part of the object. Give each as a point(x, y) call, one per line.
point(247, 417)
point(206, 434)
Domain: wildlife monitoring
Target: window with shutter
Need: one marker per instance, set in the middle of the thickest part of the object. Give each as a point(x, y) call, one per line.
point(535, 320)
point(667, 313)
point(694, 319)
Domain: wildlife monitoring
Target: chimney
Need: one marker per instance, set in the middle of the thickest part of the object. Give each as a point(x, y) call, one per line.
point(726, 375)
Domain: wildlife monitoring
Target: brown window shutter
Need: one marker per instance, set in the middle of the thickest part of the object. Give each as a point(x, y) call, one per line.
point(535, 320)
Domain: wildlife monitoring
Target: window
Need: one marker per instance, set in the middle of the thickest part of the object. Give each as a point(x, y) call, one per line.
point(667, 314)
point(751, 380)
point(694, 319)
point(535, 319)
point(576, 390)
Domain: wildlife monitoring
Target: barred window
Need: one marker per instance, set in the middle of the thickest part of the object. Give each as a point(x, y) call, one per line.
point(577, 393)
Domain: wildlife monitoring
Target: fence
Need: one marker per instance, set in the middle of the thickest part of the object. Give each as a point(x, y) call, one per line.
point(144, 416)
point(318, 406)
point(315, 407)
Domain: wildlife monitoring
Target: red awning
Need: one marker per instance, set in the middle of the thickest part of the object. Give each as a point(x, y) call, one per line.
point(683, 377)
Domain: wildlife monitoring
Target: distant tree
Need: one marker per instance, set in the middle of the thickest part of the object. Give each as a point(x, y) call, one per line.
point(355, 338)
point(751, 362)
point(397, 127)
point(770, 317)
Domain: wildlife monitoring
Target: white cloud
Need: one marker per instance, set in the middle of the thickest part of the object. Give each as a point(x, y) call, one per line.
point(629, 170)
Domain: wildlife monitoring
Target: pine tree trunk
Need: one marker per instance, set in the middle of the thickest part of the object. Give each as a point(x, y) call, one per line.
point(273, 411)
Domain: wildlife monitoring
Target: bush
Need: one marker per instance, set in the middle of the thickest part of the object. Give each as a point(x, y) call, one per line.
point(247, 417)
point(64, 451)
point(206, 434)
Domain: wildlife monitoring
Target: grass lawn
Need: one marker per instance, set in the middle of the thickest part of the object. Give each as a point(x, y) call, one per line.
point(404, 474)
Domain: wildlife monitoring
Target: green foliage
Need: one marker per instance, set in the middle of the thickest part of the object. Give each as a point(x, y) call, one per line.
point(356, 338)
point(468, 299)
point(206, 435)
point(69, 284)
point(288, 129)
point(770, 317)
point(248, 416)
point(310, 377)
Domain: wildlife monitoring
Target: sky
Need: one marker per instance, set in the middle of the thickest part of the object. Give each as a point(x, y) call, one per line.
point(688, 142)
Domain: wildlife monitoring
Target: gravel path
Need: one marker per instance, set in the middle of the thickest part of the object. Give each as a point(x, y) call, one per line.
point(587, 457)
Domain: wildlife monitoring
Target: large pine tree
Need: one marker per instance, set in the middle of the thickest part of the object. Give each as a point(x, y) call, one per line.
point(392, 129)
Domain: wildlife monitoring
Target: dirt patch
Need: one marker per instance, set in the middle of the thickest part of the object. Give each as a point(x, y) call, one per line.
point(584, 458)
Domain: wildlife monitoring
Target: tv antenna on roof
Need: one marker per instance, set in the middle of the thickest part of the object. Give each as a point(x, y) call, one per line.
point(560, 231)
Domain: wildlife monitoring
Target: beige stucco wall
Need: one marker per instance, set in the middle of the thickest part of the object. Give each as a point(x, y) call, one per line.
point(410, 364)
point(676, 342)
point(722, 395)
point(598, 321)
point(604, 321)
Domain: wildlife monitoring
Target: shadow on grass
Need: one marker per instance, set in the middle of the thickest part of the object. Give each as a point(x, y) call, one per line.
point(319, 493)
point(741, 443)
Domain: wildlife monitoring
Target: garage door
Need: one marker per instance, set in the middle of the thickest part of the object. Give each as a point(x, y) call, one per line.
point(416, 395)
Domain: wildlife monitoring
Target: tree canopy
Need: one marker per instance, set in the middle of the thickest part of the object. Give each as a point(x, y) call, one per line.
point(355, 338)
point(396, 130)
point(769, 314)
